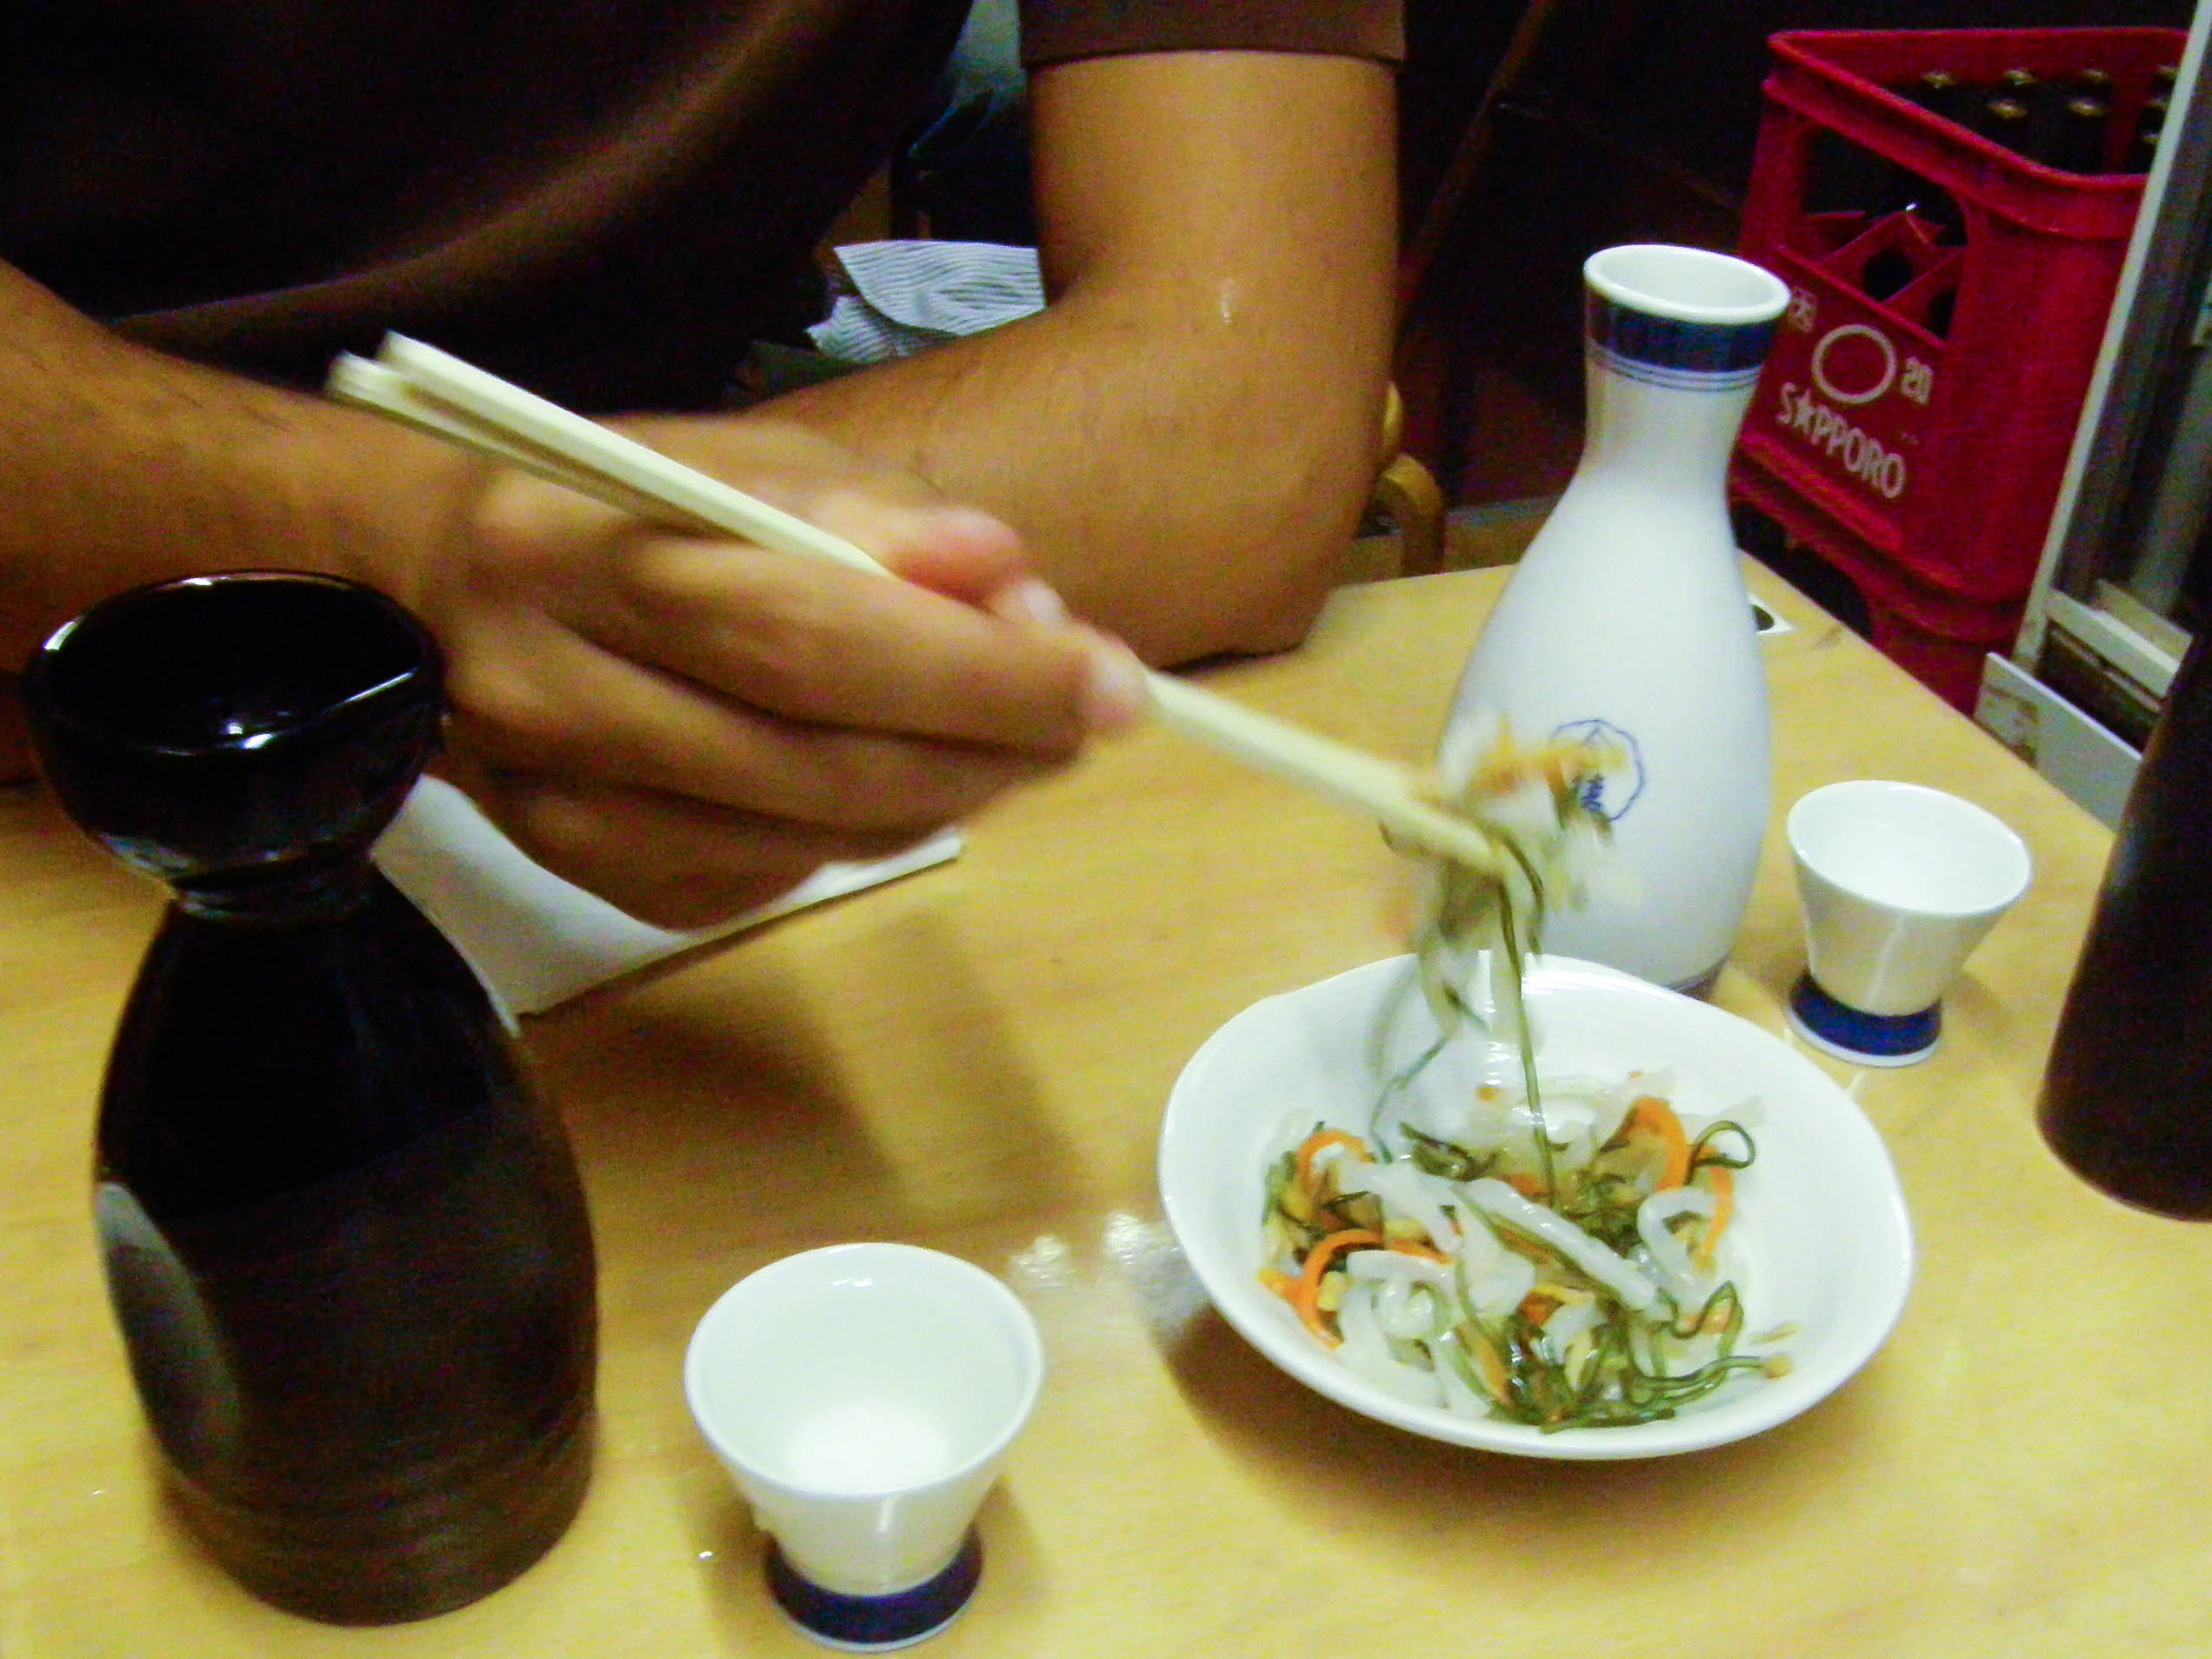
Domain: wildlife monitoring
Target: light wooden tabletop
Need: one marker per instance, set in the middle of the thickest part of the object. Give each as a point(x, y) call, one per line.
point(977, 1059)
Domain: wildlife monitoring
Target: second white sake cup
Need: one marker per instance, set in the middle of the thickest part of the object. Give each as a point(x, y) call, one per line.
point(1899, 884)
point(864, 1397)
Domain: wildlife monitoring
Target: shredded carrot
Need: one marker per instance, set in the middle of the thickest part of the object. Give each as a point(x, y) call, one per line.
point(1654, 1114)
point(1536, 1306)
point(1303, 1293)
point(1307, 1299)
point(1281, 1283)
point(1528, 1186)
point(1722, 1181)
point(1315, 1143)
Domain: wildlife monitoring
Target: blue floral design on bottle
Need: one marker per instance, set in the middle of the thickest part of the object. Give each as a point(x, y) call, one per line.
point(1607, 792)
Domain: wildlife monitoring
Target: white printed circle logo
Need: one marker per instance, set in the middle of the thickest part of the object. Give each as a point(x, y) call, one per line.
point(1855, 364)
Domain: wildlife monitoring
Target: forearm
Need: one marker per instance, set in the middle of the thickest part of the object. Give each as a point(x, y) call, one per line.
point(1190, 502)
point(1187, 435)
point(120, 466)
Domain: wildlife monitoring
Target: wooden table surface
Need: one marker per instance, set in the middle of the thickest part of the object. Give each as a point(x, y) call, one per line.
point(977, 1059)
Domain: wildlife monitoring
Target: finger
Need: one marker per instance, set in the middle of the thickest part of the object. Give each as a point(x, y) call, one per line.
point(957, 551)
point(966, 555)
point(543, 701)
point(894, 517)
point(817, 644)
point(810, 641)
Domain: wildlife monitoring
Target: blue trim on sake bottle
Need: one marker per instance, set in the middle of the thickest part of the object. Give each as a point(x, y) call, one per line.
point(1668, 352)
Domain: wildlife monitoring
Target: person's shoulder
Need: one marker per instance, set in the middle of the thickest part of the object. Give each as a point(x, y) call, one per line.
point(1057, 30)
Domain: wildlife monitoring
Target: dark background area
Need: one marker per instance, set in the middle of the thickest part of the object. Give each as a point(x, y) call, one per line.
point(1636, 121)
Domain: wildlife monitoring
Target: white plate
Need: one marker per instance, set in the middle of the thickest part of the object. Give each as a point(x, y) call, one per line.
point(1821, 1234)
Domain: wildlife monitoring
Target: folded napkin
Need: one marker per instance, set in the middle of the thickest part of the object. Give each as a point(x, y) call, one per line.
point(896, 298)
point(536, 939)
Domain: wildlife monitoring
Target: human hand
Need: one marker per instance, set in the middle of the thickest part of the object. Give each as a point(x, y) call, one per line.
point(690, 726)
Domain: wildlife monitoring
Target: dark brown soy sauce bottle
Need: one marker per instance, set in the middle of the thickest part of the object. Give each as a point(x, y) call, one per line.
point(2127, 1100)
point(344, 1239)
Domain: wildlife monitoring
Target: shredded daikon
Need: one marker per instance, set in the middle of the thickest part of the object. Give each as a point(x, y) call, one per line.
point(1450, 1277)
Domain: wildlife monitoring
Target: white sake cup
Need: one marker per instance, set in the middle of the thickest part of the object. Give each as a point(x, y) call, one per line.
point(1899, 884)
point(864, 1397)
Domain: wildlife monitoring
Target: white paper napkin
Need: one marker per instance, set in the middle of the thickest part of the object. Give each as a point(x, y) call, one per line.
point(536, 940)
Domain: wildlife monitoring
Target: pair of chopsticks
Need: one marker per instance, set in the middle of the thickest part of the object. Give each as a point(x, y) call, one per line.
point(434, 392)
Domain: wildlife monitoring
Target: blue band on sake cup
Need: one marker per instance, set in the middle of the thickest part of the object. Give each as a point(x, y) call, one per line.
point(876, 1623)
point(1868, 1039)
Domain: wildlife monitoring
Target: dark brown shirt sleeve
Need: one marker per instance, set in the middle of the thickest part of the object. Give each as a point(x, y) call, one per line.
point(1055, 31)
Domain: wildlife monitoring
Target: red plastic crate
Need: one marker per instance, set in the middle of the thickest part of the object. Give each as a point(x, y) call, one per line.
point(1922, 454)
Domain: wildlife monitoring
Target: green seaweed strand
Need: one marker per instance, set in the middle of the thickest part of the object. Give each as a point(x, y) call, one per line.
point(1702, 1150)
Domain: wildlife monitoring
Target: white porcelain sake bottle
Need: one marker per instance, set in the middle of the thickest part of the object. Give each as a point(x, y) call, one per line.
point(1627, 619)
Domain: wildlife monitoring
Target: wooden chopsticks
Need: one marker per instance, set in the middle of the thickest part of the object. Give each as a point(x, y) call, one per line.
point(436, 393)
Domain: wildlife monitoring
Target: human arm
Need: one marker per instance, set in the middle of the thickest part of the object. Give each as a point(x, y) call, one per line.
point(685, 727)
point(119, 467)
point(1186, 435)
